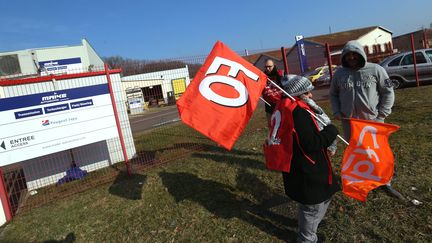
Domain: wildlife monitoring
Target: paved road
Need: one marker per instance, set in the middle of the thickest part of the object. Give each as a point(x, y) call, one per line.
point(321, 93)
point(153, 118)
point(160, 116)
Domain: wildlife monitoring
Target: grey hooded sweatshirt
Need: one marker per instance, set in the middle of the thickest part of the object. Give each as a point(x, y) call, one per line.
point(366, 93)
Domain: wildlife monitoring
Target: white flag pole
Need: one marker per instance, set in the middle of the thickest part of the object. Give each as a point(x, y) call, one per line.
point(292, 98)
point(265, 101)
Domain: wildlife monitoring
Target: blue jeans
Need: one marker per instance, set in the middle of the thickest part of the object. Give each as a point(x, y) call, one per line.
point(309, 217)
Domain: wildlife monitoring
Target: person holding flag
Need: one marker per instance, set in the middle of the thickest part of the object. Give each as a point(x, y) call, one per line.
point(361, 90)
point(300, 145)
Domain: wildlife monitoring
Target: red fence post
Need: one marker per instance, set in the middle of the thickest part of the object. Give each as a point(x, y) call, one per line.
point(117, 120)
point(415, 61)
point(329, 61)
point(5, 198)
point(284, 60)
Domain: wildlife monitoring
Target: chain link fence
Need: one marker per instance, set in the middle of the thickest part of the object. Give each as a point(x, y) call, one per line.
point(70, 130)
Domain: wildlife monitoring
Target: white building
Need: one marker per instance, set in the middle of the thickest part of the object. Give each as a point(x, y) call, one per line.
point(158, 85)
point(51, 60)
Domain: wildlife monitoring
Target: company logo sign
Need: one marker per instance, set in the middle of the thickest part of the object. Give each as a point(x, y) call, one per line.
point(54, 98)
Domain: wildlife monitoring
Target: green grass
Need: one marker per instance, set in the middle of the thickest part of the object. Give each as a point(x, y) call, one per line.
point(213, 195)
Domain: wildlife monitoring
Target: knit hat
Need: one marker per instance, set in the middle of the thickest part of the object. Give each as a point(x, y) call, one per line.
point(296, 85)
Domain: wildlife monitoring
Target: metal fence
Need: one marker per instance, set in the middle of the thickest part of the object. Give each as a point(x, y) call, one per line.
point(56, 142)
point(146, 126)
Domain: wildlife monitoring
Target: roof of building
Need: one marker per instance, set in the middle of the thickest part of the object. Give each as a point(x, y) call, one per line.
point(426, 30)
point(273, 54)
point(340, 38)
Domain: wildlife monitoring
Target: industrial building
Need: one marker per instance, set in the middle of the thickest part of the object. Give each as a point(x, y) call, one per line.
point(50, 60)
point(164, 87)
point(60, 110)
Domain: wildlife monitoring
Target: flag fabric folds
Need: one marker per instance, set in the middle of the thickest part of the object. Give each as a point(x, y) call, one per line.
point(272, 94)
point(222, 97)
point(368, 161)
point(279, 144)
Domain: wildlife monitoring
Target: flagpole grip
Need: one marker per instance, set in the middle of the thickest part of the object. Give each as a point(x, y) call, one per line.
point(264, 101)
point(342, 139)
point(339, 136)
point(292, 98)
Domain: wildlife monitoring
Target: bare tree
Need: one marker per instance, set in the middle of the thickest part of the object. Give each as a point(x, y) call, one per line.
point(131, 66)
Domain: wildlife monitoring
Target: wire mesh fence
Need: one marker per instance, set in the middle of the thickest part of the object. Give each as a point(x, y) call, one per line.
point(65, 137)
point(59, 142)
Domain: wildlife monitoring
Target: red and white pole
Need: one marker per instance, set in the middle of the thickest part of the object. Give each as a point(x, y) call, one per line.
point(415, 60)
point(117, 120)
point(5, 198)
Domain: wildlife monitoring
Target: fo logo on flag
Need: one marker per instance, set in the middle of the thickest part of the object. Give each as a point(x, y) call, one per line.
point(222, 96)
point(368, 161)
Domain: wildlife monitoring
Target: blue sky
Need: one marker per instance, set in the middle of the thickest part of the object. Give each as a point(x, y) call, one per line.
point(161, 29)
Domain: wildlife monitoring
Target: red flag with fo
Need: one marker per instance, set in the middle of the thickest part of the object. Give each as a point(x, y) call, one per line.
point(368, 161)
point(222, 97)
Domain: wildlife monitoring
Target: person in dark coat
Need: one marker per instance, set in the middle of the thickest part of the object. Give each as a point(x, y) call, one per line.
point(310, 181)
point(274, 75)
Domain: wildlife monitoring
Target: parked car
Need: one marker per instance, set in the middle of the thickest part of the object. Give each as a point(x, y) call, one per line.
point(313, 75)
point(324, 80)
point(400, 67)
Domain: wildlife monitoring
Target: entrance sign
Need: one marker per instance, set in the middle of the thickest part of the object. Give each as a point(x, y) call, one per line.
point(40, 124)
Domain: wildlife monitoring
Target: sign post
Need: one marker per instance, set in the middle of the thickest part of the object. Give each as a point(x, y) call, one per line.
point(301, 53)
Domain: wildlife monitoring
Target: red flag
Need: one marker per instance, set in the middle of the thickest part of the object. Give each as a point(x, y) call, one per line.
point(271, 94)
point(278, 145)
point(222, 97)
point(368, 161)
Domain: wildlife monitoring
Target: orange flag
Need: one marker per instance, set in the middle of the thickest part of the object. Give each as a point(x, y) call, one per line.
point(222, 96)
point(368, 161)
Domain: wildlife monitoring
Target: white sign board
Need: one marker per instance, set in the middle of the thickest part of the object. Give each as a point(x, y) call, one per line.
point(69, 65)
point(134, 103)
point(45, 123)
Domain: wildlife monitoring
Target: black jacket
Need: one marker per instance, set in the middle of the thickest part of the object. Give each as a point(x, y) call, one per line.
point(276, 77)
point(309, 183)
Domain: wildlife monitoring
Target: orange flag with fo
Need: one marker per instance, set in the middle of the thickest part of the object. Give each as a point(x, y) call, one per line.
point(368, 161)
point(222, 96)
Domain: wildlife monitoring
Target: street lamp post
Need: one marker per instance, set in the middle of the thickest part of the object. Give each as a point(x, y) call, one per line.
point(377, 38)
point(376, 43)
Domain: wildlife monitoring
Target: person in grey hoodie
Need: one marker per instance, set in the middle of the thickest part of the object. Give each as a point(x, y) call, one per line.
point(360, 89)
